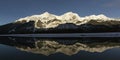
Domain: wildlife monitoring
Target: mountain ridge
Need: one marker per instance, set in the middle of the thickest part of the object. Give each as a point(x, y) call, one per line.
point(50, 20)
point(67, 23)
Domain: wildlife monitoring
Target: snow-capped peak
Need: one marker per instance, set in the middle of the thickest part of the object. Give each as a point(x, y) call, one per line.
point(46, 14)
point(70, 16)
point(47, 20)
point(97, 17)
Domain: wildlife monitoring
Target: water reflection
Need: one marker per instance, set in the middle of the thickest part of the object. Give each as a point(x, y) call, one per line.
point(50, 46)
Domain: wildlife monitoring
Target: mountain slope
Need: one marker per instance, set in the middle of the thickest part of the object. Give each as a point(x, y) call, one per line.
point(66, 23)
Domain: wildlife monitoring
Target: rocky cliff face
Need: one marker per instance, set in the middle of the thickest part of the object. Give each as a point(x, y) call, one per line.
point(66, 23)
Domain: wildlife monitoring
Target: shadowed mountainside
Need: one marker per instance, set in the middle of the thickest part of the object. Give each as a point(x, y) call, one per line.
point(67, 23)
point(29, 28)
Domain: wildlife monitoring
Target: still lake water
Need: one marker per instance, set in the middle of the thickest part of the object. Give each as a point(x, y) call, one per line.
point(17, 48)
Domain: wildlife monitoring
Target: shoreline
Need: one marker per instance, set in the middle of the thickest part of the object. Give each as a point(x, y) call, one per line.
point(116, 34)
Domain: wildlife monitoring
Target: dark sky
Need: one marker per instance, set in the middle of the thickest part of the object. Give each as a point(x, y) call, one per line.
point(10, 10)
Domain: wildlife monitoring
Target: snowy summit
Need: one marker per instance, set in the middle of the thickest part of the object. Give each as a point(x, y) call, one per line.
point(48, 20)
point(67, 23)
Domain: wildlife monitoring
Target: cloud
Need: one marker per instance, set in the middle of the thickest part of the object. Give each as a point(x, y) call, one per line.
point(112, 3)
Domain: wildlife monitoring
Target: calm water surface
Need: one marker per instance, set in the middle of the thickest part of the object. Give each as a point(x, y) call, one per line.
point(14, 48)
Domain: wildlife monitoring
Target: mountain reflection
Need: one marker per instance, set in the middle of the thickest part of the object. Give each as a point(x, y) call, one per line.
point(50, 46)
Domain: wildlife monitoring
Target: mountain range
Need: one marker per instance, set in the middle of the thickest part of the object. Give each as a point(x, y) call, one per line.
point(67, 23)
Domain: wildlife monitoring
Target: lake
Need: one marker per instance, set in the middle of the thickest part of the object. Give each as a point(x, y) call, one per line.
point(36, 48)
